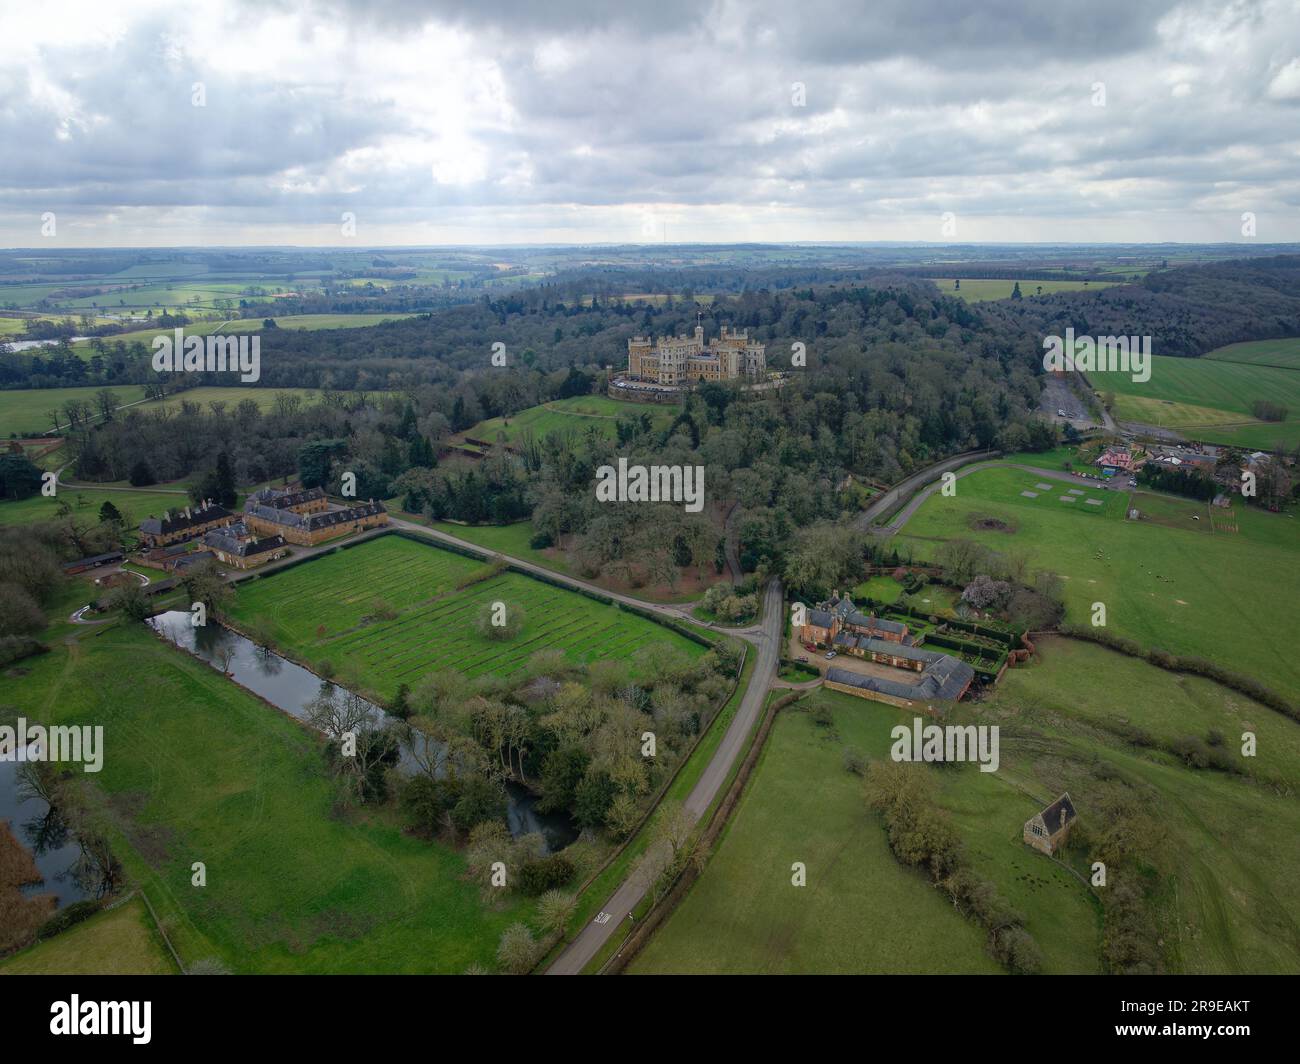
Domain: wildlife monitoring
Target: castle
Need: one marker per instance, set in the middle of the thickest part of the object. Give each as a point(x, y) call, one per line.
point(679, 360)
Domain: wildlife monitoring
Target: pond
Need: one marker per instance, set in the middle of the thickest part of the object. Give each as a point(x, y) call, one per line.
point(41, 831)
point(291, 688)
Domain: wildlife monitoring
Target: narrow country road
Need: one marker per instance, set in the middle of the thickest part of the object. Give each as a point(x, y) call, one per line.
point(906, 488)
point(594, 936)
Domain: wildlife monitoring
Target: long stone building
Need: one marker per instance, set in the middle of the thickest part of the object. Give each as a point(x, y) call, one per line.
point(679, 360)
point(305, 517)
point(177, 526)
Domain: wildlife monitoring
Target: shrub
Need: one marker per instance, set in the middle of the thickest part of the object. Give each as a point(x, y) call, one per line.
point(548, 873)
point(67, 917)
point(499, 621)
point(517, 951)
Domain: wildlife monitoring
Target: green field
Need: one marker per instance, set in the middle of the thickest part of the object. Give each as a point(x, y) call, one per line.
point(1162, 586)
point(122, 941)
point(977, 290)
point(514, 540)
point(861, 912)
point(24, 412)
point(579, 414)
point(231, 396)
point(316, 611)
point(198, 769)
point(1209, 399)
point(85, 503)
point(1284, 354)
point(1226, 847)
point(84, 349)
point(1229, 847)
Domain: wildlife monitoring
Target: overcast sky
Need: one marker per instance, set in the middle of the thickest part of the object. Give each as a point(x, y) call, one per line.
point(498, 121)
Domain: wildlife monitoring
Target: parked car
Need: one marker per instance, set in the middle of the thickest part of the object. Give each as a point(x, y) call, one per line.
point(1060, 412)
point(1132, 482)
point(830, 654)
point(802, 657)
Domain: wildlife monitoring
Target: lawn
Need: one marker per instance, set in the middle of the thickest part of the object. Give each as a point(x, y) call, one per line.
point(1165, 587)
point(24, 412)
point(1209, 399)
point(861, 912)
point(879, 589)
point(1284, 354)
point(318, 611)
point(580, 414)
point(85, 503)
point(245, 325)
point(198, 769)
point(1228, 847)
point(231, 396)
point(122, 941)
point(514, 540)
point(977, 290)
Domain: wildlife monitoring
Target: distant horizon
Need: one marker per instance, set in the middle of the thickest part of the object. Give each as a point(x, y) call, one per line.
point(965, 244)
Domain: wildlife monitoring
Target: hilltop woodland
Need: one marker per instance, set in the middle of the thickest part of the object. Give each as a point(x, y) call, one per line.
point(897, 376)
point(1186, 312)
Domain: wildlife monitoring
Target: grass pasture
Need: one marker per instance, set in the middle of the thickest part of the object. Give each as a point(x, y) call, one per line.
point(319, 611)
point(85, 503)
point(1210, 398)
point(121, 941)
point(1227, 846)
point(1282, 354)
point(24, 412)
point(861, 912)
point(198, 769)
point(579, 414)
point(1163, 586)
point(978, 290)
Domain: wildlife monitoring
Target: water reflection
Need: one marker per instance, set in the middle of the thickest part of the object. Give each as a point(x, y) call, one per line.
point(293, 689)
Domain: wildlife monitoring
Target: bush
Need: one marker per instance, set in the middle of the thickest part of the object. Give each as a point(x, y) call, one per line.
point(500, 621)
point(67, 917)
point(548, 873)
point(16, 647)
point(855, 763)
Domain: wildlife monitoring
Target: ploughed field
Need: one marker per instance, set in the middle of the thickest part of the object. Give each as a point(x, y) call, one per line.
point(390, 608)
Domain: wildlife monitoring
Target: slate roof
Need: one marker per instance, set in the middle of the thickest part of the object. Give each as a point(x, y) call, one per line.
point(1059, 814)
point(178, 522)
point(94, 560)
point(237, 540)
point(819, 618)
point(282, 499)
point(880, 624)
point(943, 679)
point(312, 522)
